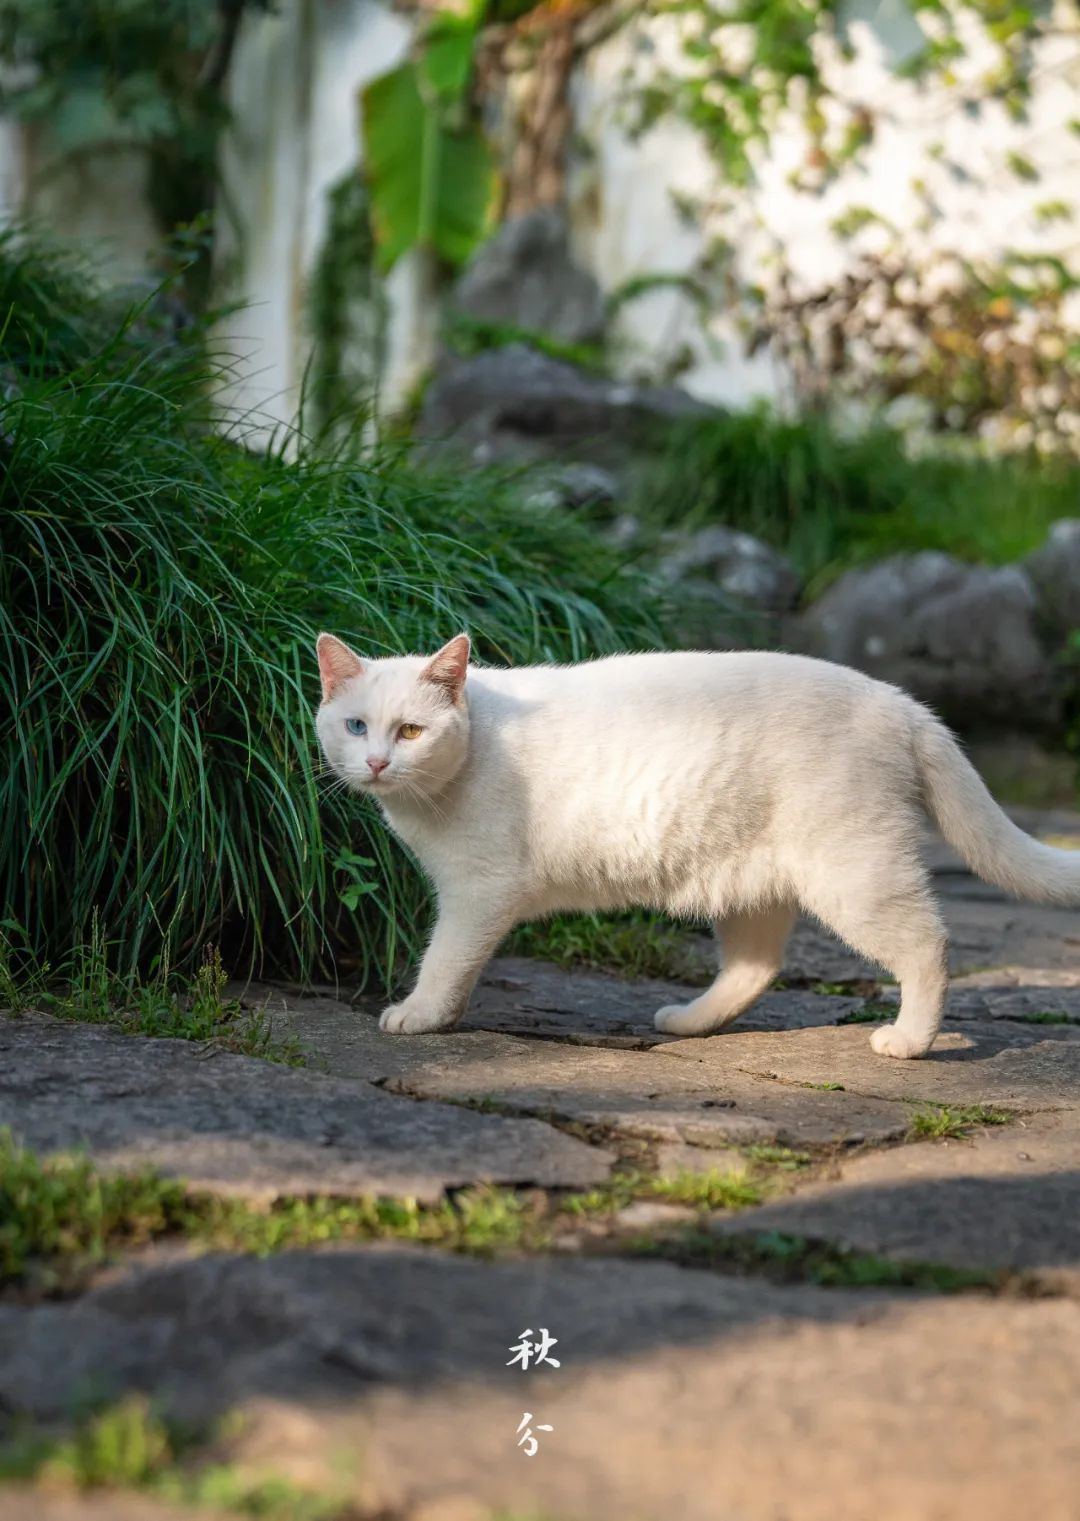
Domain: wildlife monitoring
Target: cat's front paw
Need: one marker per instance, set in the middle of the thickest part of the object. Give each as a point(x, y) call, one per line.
point(681, 1019)
point(890, 1040)
point(411, 1018)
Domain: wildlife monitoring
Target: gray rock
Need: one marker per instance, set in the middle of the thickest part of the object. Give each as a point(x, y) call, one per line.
point(1054, 569)
point(704, 1102)
point(995, 1062)
point(575, 486)
point(33, 1503)
point(244, 1126)
point(524, 276)
point(515, 404)
point(1005, 1197)
point(738, 565)
point(961, 637)
point(520, 997)
point(725, 1396)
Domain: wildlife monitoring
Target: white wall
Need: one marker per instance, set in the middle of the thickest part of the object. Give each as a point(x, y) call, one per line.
point(627, 224)
point(295, 96)
point(295, 89)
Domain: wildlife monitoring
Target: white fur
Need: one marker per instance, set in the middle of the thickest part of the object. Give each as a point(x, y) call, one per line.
point(742, 788)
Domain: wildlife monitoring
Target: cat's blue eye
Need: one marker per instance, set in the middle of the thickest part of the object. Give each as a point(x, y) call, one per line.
point(356, 726)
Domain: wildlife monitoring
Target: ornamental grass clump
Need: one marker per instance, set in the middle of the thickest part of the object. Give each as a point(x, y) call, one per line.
point(161, 585)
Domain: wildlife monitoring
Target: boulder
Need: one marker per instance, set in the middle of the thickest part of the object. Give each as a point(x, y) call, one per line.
point(525, 277)
point(1054, 570)
point(961, 637)
point(737, 564)
point(516, 405)
point(575, 485)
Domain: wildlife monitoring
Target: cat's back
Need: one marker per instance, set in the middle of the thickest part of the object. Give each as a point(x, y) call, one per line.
point(670, 682)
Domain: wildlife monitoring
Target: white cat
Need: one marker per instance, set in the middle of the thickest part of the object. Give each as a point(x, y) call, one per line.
point(742, 788)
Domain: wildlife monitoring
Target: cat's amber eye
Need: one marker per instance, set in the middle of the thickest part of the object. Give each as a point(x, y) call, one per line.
point(410, 731)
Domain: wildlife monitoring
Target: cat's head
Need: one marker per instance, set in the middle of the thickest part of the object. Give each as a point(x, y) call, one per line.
point(394, 727)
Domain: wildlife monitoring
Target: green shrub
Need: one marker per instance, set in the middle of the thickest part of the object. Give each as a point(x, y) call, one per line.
point(828, 499)
point(160, 589)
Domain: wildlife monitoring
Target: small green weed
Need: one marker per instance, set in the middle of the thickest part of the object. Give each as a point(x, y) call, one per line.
point(783, 1157)
point(937, 1122)
point(128, 1445)
point(871, 1013)
point(635, 944)
point(824, 1087)
point(701, 1190)
point(1044, 1017)
point(796, 1259)
point(60, 1213)
point(474, 335)
point(60, 1217)
point(164, 1004)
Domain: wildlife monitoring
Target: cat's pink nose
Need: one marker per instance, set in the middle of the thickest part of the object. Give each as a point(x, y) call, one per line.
point(377, 764)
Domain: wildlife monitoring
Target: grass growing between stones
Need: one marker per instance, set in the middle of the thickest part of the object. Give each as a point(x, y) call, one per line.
point(59, 1218)
point(130, 1446)
point(784, 1258)
point(702, 1191)
point(941, 1122)
point(871, 1013)
point(87, 988)
point(635, 944)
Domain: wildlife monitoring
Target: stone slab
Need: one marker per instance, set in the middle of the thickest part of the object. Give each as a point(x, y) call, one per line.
point(27, 1502)
point(1005, 1197)
point(987, 1062)
point(644, 1094)
point(246, 1126)
point(535, 999)
point(1023, 1003)
point(629, 1091)
point(731, 1400)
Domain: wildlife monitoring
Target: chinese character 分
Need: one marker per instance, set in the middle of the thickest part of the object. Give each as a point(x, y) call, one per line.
point(528, 1441)
point(537, 1350)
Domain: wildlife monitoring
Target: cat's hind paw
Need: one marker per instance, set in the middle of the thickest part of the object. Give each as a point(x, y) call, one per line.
point(409, 1018)
point(890, 1040)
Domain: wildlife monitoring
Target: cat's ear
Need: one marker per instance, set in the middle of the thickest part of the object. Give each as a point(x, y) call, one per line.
point(337, 663)
point(448, 668)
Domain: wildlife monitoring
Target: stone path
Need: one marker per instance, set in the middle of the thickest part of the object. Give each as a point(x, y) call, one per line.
point(726, 1383)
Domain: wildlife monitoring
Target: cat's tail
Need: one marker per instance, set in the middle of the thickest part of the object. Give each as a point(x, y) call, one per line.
point(980, 832)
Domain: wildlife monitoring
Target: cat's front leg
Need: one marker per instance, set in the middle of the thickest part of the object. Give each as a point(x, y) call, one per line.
point(467, 931)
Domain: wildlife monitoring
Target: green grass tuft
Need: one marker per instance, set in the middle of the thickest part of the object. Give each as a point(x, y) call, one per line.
point(936, 1122)
point(163, 1004)
point(796, 1259)
point(635, 944)
point(59, 1214)
point(129, 1445)
point(160, 591)
point(871, 1013)
point(829, 500)
point(784, 1157)
point(59, 1218)
point(700, 1190)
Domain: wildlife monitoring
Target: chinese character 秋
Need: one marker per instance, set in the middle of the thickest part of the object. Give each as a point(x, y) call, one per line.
point(528, 1441)
point(537, 1350)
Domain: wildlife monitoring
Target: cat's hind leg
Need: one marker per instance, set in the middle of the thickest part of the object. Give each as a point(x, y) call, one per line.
point(753, 943)
point(899, 927)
